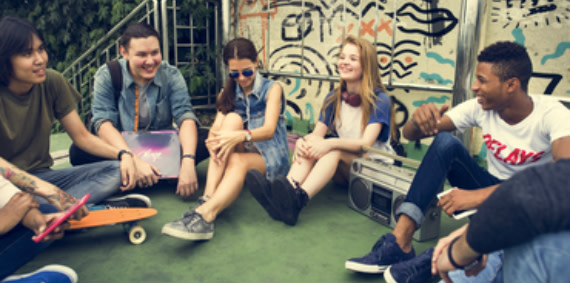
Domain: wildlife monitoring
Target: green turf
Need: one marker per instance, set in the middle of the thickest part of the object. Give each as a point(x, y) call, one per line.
point(247, 246)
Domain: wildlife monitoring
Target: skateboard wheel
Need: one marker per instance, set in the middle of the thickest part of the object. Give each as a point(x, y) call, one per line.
point(137, 235)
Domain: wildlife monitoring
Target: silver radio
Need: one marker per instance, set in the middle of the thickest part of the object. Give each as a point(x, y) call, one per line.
point(377, 189)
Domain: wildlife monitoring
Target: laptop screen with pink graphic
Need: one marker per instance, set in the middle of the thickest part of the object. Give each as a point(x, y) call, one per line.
point(159, 148)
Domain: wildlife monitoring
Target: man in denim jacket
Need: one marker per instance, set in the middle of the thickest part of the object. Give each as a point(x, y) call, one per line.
point(154, 95)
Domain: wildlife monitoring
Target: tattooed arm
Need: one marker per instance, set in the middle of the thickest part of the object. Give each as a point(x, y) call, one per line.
point(36, 186)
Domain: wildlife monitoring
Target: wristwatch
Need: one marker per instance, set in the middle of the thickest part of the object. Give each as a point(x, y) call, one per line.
point(247, 135)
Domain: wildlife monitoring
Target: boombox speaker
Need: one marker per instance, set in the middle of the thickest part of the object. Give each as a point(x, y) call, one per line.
point(377, 189)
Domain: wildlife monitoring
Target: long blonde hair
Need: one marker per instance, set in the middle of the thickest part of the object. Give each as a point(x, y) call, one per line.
point(371, 80)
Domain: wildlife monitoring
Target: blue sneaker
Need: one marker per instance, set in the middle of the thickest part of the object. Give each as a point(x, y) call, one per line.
point(384, 253)
point(53, 273)
point(417, 269)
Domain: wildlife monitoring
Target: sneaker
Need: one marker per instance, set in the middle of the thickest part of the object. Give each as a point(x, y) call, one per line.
point(128, 201)
point(260, 188)
point(53, 273)
point(384, 253)
point(288, 200)
point(417, 269)
point(190, 227)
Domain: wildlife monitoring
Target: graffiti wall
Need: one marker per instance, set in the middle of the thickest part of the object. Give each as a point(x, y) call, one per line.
point(416, 42)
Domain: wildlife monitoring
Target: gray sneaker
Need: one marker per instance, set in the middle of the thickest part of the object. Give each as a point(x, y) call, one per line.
point(190, 227)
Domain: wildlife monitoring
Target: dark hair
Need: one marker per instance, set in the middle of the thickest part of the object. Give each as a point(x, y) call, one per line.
point(510, 60)
point(137, 30)
point(16, 35)
point(237, 48)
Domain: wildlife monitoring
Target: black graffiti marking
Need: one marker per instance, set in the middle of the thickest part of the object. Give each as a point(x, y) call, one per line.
point(296, 21)
point(399, 107)
point(437, 22)
point(295, 108)
point(554, 80)
point(513, 13)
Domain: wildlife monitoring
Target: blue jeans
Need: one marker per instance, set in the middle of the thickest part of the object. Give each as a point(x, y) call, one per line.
point(100, 179)
point(492, 273)
point(447, 158)
point(17, 247)
point(544, 259)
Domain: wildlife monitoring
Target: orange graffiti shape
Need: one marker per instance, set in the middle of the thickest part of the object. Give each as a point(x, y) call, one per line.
point(367, 28)
point(385, 25)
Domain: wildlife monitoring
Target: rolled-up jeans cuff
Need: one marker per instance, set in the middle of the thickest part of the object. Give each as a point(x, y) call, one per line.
point(412, 211)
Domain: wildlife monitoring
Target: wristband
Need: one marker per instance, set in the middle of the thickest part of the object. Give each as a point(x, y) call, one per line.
point(467, 267)
point(123, 151)
point(191, 156)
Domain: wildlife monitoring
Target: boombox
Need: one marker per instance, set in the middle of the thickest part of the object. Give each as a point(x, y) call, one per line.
point(377, 189)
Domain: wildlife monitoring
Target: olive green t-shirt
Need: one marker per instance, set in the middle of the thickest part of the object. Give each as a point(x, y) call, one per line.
point(26, 120)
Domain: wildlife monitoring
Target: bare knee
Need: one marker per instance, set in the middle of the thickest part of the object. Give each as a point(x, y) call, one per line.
point(232, 121)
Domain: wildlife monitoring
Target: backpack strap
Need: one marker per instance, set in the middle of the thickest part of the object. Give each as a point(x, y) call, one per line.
point(116, 77)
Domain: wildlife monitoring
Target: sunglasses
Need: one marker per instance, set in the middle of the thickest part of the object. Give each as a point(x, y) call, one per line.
point(245, 73)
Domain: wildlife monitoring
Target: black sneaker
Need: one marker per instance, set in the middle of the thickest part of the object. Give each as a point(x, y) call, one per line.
point(260, 188)
point(128, 201)
point(288, 200)
point(417, 269)
point(384, 253)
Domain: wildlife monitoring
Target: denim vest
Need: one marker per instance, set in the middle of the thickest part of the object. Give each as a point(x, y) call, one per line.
point(167, 97)
point(275, 151)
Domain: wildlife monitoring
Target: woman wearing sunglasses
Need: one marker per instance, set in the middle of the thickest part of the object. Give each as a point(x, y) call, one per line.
point(248, 132)
point(357, 113)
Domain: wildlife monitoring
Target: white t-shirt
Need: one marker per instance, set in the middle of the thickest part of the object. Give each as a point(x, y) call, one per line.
point(349, 128)
point(512, 148)
point(7, 191)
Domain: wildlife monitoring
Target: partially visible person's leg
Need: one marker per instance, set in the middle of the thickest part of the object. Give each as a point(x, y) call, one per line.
point(17, 247)
point(318, 176)
point(544, 259)
point(100, 179)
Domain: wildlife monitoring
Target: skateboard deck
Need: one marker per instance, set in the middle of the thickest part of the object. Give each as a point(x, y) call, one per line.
point(129, 217)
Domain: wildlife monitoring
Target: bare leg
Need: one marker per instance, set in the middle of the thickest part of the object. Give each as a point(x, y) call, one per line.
point(231, 183)
point(229, 122)
point(404, 231)
point(321, 173)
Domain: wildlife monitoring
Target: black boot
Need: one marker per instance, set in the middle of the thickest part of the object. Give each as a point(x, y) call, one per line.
point(260, 188)
point(288, 199)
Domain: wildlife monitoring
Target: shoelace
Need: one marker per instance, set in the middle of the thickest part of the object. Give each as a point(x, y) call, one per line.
point(190, 218)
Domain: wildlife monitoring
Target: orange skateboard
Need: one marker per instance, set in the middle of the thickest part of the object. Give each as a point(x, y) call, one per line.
point(129, 217)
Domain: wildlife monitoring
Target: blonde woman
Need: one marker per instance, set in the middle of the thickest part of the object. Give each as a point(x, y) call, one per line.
point(357, 113)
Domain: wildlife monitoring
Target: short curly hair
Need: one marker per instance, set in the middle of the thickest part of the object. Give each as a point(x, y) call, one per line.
point(510, 60)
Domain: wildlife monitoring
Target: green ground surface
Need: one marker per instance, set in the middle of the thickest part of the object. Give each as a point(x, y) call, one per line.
point(248, 246)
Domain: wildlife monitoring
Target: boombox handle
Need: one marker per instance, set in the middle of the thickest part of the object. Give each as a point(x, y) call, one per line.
point(393, 156)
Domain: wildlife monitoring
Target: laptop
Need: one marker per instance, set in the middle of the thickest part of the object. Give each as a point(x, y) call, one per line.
point(159, 148)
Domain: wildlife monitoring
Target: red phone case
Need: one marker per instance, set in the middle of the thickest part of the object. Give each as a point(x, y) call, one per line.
point(56, 222)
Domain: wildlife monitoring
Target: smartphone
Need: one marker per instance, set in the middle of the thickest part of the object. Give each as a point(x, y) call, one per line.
point(56, 222)
point(460, 214)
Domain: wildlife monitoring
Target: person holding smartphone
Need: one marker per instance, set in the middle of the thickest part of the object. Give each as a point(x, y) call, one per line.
point(23, 219)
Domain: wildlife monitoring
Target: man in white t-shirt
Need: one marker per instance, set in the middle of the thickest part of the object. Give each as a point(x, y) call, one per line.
point(519, 131)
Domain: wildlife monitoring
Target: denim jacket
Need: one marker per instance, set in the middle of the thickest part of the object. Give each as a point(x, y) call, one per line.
point(275, 151)
point(167, 96)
